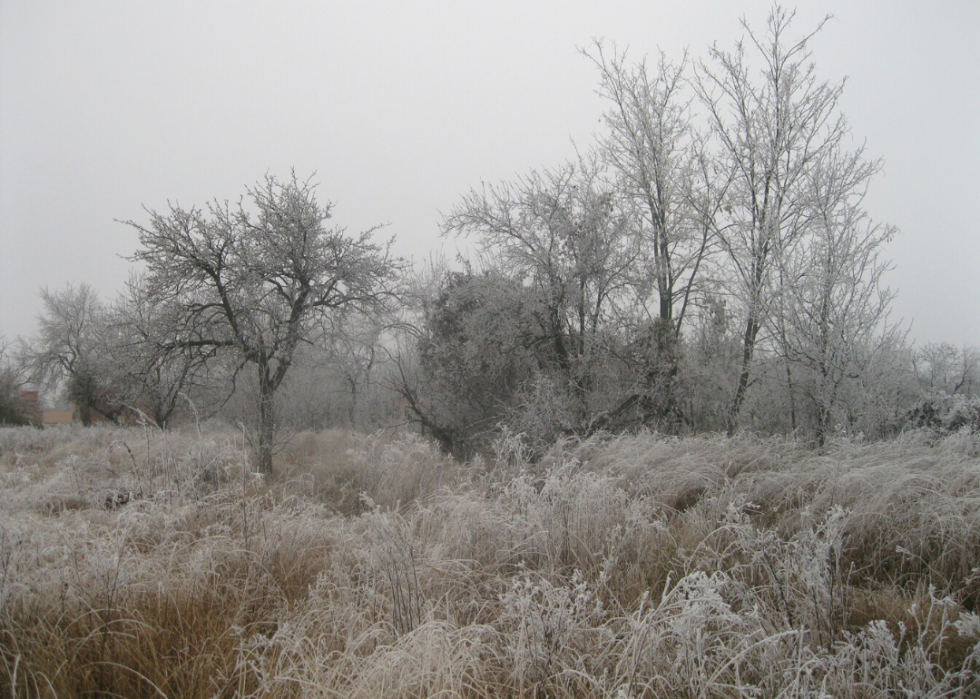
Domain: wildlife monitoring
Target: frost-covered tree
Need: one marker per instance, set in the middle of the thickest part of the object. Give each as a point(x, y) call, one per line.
point(13, 410)
point(71, 351)
point(654, 151)
point(941, 367)
point(774, 123)
point(560, 235)
point(832, 308)
point(476, 343)
point(256, 282)
point(157, 374)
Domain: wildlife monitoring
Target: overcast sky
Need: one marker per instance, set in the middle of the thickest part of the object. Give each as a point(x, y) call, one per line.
point(401, 107)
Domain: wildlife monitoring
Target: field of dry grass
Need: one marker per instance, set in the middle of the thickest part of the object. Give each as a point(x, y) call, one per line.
point(141, 564)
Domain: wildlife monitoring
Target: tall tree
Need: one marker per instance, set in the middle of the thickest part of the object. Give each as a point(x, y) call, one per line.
point(675, 189)
point(833, 304)
point(653, 149)
point(771, 130)
point(256, 283)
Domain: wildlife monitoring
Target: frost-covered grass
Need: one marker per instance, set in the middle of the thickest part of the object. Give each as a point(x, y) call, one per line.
point(143, 564)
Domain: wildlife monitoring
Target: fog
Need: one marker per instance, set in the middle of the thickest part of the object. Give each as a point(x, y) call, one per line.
point(107, 107)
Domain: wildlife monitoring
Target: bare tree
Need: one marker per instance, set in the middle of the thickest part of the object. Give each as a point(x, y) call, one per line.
point(256, 283)
point(353, 353)
point(653, 148)
point(833, 305)
point(771, 132)
point(158, 375)
point(675, 188)
point(944, 368)
point(561, 234)
point(70, 350)
point(13, 410)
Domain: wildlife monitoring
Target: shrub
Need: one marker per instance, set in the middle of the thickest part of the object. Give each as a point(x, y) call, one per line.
point(944, 413)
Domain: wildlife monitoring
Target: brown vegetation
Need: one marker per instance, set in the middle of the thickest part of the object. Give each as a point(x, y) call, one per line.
point(146, 564)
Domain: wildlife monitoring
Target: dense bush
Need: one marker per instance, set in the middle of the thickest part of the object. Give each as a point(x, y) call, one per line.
point(944, 413)
point(13, 409)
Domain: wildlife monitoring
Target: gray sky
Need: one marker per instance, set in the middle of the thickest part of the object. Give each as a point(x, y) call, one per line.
point(401, 107)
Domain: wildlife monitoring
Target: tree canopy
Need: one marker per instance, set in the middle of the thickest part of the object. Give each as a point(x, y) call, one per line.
point(256, 282)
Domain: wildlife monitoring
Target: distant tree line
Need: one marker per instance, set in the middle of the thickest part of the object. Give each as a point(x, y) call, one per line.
point(707, 265)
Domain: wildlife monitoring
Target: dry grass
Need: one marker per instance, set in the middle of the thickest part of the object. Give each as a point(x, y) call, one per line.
point(140, 564)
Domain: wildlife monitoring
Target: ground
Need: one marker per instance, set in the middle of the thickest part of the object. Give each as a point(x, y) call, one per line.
point(144, 564)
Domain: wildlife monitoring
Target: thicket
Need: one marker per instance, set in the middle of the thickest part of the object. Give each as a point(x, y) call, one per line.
point(13, 409)
point(708, 265)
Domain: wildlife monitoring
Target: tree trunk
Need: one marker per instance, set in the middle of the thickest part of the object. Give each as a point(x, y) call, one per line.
point(792, 393)
point(352, 403)
point(267, 421)
point(84, 411)
point(665, 289)
point(748, 348)
point(823, 422)
point(662, 376)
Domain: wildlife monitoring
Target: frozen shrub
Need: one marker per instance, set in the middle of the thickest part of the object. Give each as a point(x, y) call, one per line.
point(547, 626)
point(701, 637)
point(801, 576)
point(877, 661)
point(391, 560)
point(16, 441)
point(944, 413)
